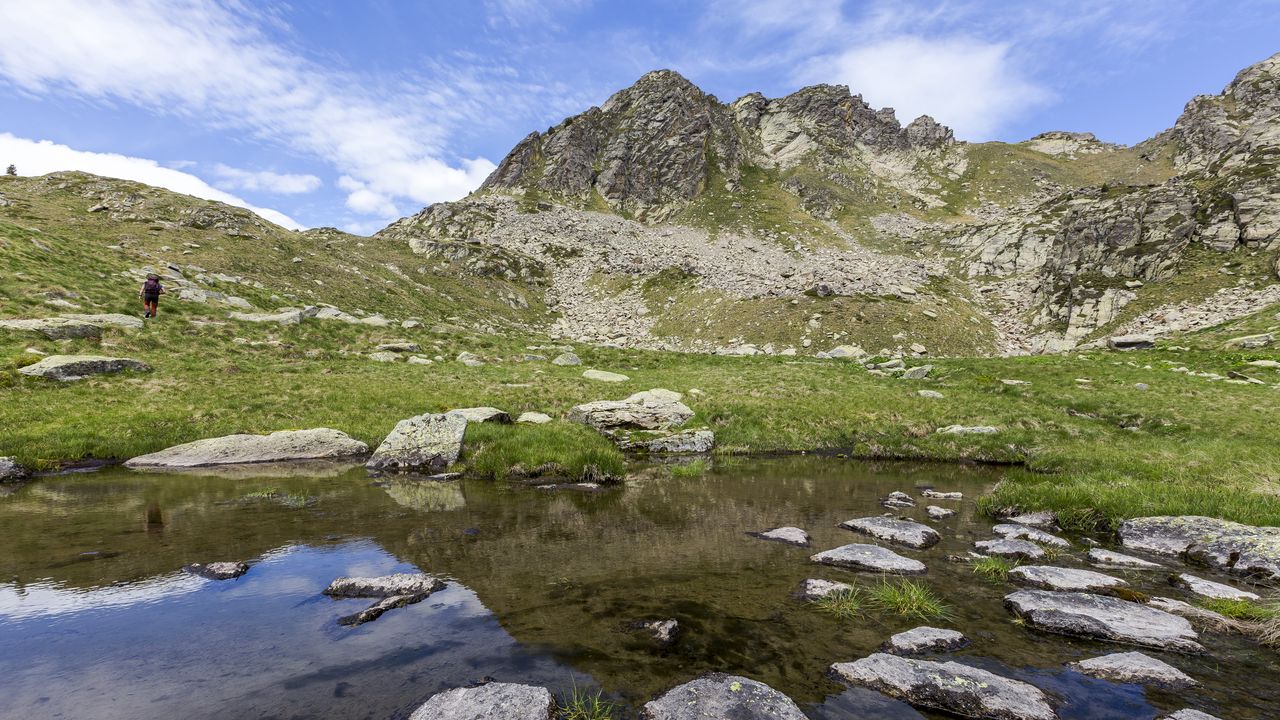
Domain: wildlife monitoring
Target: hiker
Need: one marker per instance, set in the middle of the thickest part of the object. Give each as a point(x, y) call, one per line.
point(150, 294)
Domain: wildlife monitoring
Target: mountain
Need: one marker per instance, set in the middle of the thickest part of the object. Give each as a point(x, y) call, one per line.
point(667, 218)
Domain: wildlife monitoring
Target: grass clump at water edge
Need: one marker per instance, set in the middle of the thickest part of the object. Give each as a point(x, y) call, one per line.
point(694, 469)
point(583, 704)
point(843, 604)
point(909, 599)
point(994, 568)
point(1243, 609)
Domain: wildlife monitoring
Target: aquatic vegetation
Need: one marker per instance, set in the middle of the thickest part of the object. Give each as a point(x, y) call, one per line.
point(584, 704)
point(994, 568)
point(908, 598)
point(1242, 609)
point(843, 604)
point(690, 470)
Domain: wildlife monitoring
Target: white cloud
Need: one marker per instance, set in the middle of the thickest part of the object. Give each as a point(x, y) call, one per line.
point(39, 157)
point(217, 64)
point(266, 181)
point(970, 85)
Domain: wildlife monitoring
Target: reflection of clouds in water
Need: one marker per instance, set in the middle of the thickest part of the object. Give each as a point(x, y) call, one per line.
point(51, 599)
point(427, 495)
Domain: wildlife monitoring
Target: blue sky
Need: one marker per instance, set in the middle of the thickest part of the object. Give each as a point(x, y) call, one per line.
point(351, 114)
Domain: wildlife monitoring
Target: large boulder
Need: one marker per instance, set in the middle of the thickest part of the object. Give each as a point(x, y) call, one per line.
point(280, 446)
point(12, 471)
point(492, 701)
point(722, 696)
point(872, 558)
point(649, 412)
point(902, 532)
point(425, 443)
point(1134, 667)
point(950, 687)
point(67, 368)
point(1103, 618)
point(1237, 548)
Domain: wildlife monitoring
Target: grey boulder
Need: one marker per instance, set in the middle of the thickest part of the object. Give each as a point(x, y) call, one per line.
point(280, 446)
point(604, 376)
point(384, 586)
point(722, 696)
point(1006, 548)
point(567, 358)
point(1211, 589)
point(67, 368)
point(1022, 532)
point(1131, 342)
point(492, 701)
point(482, 415)
point(1103, 618)
point(533, 418)
point(53, 328)
point(925, 639)
point(902, 532)
point(1237, 548)
point(12, 471)
point(1047, 577)
point(686, 442)
point(1188, 714)
point(1134, 667)
point(649, 412)
point(939, 513)
point(949, 687)
point(815, 589)
point(218, 570)
point(872, 558)
point(429, 443)
point(1109, 558)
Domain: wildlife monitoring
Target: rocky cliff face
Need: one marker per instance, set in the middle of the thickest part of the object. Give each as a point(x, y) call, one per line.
point(1044, 244)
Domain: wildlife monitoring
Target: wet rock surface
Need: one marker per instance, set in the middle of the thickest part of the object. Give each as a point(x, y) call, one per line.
point(1103, 618)
point(722, 696)
point(426, 443)
point(1047, 577)
point(1231, 546)
point(939, 513)
point(1014, 531)
point(280, 446)
point(1016, 549)
point(1110, 558)
point(384, 586)
point(870, 558)
point(923, 640)
point(492, 701)
point(1135, 667)
point(815, 589)
point(903, 532)
point(949, 687)
point(1211, 589)
point(67, 368)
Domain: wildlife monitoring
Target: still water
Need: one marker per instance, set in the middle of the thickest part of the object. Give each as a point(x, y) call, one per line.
point(97, 619)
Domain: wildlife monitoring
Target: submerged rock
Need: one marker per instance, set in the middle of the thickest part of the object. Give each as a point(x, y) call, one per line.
point(870, 557)
point(1012, 531)
point(384, 586)
point(1017, 549)
point(280, 446)
point(789, 535)
point(1109, 558)
point(937, 495)
point(925, 639)
point(218, 570)
point(482, 415)
point(815, 589)
point(380, 608)
point(663, 632)
point(903, 532)
point(1103, 618)
point(1134, 667)
point(492, 701)
point(67, 368)
point(939, 513)
point(12, 471)
point(426, 443)
point(949, 687)
point(1057, 578)
point(1211, 589)
point(1237, 548)
point(722, 696)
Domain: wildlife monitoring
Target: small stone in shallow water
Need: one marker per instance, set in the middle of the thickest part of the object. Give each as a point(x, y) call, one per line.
point(1135, 667)
point(1045, 519)
point(218, 570)
point(790, 535)
point(904, 532)
point(1057, 578)
point(722, 696)
point(925, 639)
point(898, 499)
point(873, 558)
point(816, 589)
point(1210, 589)
point(949, 687)
point(939, 513)
point(1004, 547)
point(492, 701)
point(1188, 714)
point(1108, 558)
point(942, 495)
point(663, 631)
point(1022, 532)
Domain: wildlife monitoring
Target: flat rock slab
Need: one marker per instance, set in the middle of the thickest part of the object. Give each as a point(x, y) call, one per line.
point(67, 368)
point(534, 418)
point(426, 443)
point(218, 570)
point(968, 430)
point(482, 415)
point(938, 495)
point(789, 535)
point(923, 640)
point(949, 687)
point(722, 696)
point(872, 558)
point(1235, 547)
point(902, 532)
point(939, 513)
point(1103, 618)
point(281, 446)
point(620, 414)
point(1110, 558)
point(1014, 531)
point(493, 701)
point(1203, 616)
point(53, 328)
point(1016, 549)
point(1188, 714)
point(384, 586)
point(129, 322)
point(1047, 577)
point(815, 589)
point(1211, 589)
point(1137, 668)
point(897, 498)
point(604, 376)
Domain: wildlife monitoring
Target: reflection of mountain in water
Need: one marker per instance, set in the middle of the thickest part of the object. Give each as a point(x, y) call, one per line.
point(426, 495)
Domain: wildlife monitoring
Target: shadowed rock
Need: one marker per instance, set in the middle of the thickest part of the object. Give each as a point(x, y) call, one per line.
point(482, 415)
point(218, 570)
point(426, 443)
point(12, 471)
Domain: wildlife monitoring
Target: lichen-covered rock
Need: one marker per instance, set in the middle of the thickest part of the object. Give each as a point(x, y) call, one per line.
point(949, 687)
point(482, 415)
point(425, 443)
point(1237, 548)
point(1211, 589)
point(722, 696)
point(1135, 667)
point(872, 558)
point(790, 535)
point(1103, 618)
point(384, 586)
point(1058, 578)
point(685, 442)
point(902, 532)
point(621, 414)
point(491, 701)
point(280, 446)
point(68, 368)
point(218, 570)
point(925, 639)
point(1022, 532)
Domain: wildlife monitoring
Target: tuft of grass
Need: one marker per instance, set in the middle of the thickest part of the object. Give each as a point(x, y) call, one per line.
point(263, 494)
point(994, 568)
point(1242, 609)
point(583, 704)
point(576, 451)
point(694, 469)
point(843, 604)
point(908, 598)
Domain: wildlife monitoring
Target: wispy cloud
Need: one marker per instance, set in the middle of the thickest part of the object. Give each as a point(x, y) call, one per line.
point(265, 180)
point(37, 157)
point(217, 64)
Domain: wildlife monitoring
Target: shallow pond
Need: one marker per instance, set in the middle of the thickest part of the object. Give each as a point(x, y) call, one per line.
point(97, 619)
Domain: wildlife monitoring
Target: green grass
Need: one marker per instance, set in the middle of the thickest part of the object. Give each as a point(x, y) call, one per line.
point(555, 450)
point(843, 604)
point(994, 568)
point(1242, 609)
point(907, 598)
point(583, 704)
point(694, 469)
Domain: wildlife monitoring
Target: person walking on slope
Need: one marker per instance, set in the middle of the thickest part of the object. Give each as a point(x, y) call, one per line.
point(150, 294)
